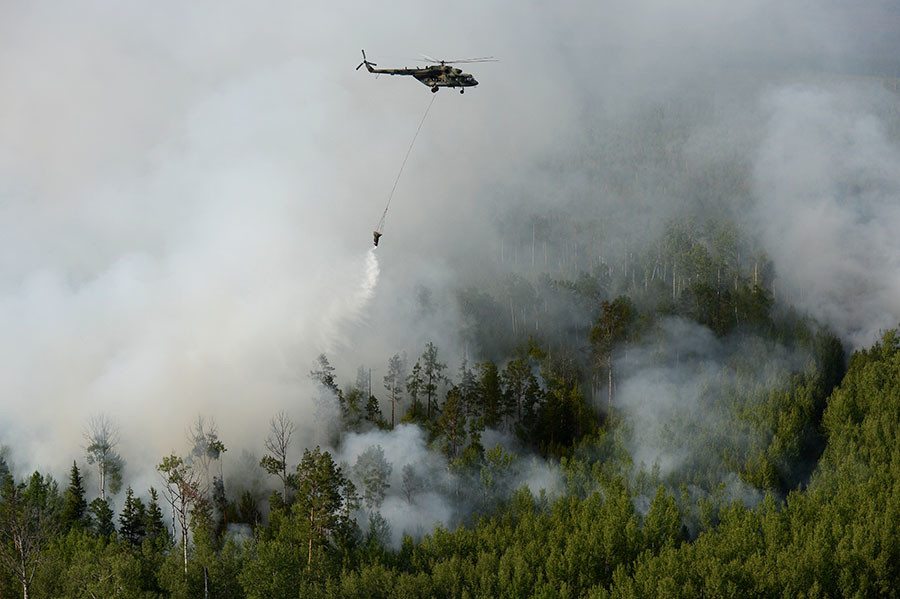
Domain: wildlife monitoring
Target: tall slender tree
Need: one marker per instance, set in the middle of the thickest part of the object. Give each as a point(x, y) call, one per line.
point(611, 328)
point(102, 437)
point(432, 373)
point(182, 490)
point(320, 500)
point(451, 423)
point(415, 386)
point(281, 429)
point(393, 383)
point(206, 448)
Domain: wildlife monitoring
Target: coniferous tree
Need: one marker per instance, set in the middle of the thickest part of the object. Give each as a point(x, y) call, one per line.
point(74, 514)
point(451, 424)
point(393, 383)
point(515, 378)
point(324, 374)
point(373, 412)
point(468, 388)
point(353, 408)
point(102, 515)
point(432, 375)
point(372, 470)
point(154, 525)
point(415, 386)
point(490, 394)
point(320, 483)
point(133, 519)
point(248, 509)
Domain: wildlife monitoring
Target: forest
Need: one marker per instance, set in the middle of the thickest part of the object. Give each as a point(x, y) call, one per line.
point(632, 328)
point(780, 478)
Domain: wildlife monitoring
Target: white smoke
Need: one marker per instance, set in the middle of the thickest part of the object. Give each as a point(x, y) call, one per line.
point(442, 496)
point(828, 185)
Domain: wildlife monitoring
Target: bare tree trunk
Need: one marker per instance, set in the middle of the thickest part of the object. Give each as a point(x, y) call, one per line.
point(532, 245)
point(184, 541)
point(312, 520)
point(610, 383)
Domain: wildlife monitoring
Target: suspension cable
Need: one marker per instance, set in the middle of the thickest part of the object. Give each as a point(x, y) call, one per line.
point(380, 227)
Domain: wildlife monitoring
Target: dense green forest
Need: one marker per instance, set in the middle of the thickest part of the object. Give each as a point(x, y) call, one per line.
point(785, 482)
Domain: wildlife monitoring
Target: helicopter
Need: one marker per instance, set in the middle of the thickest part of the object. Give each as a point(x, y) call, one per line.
point(437, 75)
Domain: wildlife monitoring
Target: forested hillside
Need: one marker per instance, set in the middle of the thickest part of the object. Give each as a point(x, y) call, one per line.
point(629, 325)
point(773, 472)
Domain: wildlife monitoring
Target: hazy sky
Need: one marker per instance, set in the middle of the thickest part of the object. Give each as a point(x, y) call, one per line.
point(188, 190)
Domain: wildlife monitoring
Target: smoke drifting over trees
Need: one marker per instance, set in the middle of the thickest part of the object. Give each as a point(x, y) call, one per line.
point(637, 250)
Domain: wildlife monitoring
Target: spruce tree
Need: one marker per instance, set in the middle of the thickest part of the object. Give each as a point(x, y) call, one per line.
point(74, 514)
point(103, 525)
point(133, 519)
point(154, 525)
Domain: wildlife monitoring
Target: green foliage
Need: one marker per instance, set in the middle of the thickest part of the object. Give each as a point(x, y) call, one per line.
point(74, 514)
point(372, 470)
point(29, 520)
point(86, 566)
point(102, 524)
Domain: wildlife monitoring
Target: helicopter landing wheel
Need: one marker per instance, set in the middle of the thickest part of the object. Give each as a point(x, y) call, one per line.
point(434, 89)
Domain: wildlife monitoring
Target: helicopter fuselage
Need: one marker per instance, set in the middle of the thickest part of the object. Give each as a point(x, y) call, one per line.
point(434, 76)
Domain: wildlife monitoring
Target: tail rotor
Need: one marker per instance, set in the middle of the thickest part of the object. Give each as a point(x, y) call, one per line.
point(365, 62)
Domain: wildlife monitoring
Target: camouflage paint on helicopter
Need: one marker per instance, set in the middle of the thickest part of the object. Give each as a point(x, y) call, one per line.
point(434, 76)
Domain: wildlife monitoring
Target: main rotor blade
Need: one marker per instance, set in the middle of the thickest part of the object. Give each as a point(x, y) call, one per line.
point(459, 60)
point(480, 59)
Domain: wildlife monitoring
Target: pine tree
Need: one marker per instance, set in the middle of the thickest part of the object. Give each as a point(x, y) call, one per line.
point(393, 383)
point(490, 394)
point(414, 386)
point(319, 497)
point(432, 374)
point(451, 423)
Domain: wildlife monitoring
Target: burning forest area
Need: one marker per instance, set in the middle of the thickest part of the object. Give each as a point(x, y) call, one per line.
point(621, 320)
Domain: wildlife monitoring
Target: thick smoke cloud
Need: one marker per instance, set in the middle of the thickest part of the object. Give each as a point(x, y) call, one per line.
point(187, 192)
point(828, 182)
